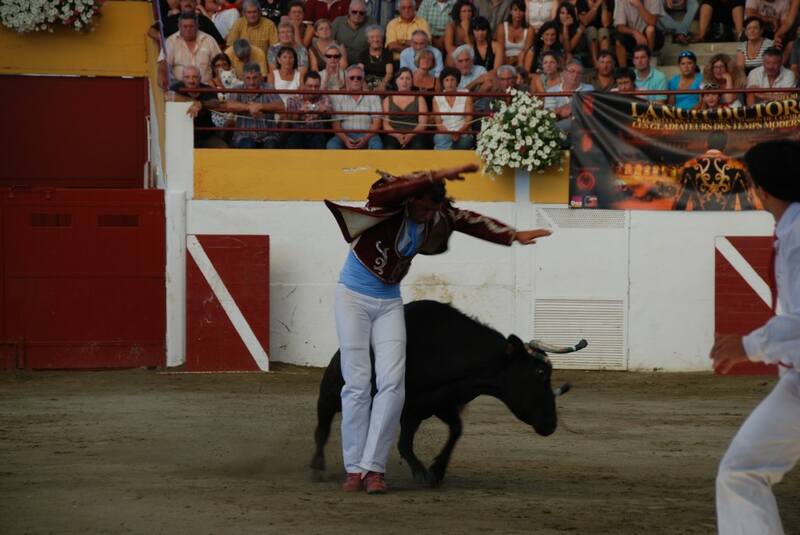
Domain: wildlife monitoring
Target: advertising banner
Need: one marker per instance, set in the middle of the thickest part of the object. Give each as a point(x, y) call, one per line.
point(634, 154)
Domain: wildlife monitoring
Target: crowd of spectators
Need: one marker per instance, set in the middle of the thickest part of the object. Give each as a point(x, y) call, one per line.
point(460, 46)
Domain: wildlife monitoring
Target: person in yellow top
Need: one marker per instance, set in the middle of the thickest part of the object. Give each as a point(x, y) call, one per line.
point(259, 31)
point(400, 28)
point(242, 53)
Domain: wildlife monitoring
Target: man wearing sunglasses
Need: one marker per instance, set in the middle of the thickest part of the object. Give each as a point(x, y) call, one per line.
point(356, 131)
point(351, 31)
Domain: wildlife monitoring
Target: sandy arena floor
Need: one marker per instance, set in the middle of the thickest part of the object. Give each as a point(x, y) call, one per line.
point(143, 452)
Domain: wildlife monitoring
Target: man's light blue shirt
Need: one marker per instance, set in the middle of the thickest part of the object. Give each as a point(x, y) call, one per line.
point(407, 60)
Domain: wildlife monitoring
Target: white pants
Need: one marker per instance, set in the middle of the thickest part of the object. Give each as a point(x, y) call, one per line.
point(369, 426)
point(765, 448)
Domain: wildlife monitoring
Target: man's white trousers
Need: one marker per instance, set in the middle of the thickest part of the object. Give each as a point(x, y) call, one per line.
point(369, 425)
point(765, 448)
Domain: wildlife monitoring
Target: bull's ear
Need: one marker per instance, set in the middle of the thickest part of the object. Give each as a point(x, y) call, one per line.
point(514, 344)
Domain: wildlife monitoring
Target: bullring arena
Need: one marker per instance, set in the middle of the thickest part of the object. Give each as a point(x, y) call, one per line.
point(167, 317)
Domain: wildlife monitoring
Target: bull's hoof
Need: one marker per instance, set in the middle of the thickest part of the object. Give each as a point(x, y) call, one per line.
point(435, 475)
point(317, 476)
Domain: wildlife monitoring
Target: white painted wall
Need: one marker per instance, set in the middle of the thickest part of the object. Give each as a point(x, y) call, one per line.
point(661, 264)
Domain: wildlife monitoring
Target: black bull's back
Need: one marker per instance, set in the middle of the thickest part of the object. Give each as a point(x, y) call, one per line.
point(451, 359)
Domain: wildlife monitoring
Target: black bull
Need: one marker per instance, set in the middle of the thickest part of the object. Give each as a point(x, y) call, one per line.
point(450, 360)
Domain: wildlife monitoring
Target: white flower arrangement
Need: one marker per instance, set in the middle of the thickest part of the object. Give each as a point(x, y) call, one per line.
point(520, 134)
point(41, 15)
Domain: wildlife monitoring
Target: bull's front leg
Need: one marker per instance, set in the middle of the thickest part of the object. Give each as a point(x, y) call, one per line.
point(405, 444)
point(452, 417)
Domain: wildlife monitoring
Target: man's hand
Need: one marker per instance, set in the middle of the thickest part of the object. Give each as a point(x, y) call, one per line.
point(454, 173)
point(529, 237)
point(194, 109)
point(641, 39)
point(728, 351)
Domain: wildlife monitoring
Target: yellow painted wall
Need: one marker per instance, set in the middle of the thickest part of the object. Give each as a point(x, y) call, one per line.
point(552, 186)
point(116, 47)
point(236, 174)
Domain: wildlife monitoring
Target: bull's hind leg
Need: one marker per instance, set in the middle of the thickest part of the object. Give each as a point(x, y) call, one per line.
point(405, 444)
point(326, 410)
point(452, 417)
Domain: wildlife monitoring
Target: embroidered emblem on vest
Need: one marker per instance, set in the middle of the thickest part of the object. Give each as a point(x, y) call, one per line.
point(381, 261)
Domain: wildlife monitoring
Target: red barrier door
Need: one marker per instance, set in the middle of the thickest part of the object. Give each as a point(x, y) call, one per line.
point(83, 277)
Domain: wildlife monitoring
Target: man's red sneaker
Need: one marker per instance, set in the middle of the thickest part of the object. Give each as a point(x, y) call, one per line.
point(353, 483)
point(375, 483)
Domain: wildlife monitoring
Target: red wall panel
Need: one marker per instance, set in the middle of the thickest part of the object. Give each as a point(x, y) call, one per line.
point(84, 277)
point(66, 132)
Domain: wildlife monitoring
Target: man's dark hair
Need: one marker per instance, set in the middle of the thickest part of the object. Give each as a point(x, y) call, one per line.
point(606, 52)
point(717, 140)
point(624, 72)
point(642, 48)
point(450, 71)
point(774, 52)
point(293, 3)
point(314, 75)
point(770, 168)
point(187, 15)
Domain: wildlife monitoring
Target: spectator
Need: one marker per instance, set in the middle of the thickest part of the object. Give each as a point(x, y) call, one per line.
point(200, 108)
point(258, 107)
point(771, 75)
point(306, 112)
point(451, 129)
point(457, 31)
point(419, 41)
point(350, 31)
point(596, 18)
point(287, 75)
point(325, 9)
point(473, 77)
point(603, 78)
point(303, 29)
point(488, 53)
point(437, 14)
point(679, 28)
point(259, 31)
point(220, 62)
point(689, 78)
point(323, 38)
point(540, 11)
point(204, 24)
point(286, 39)
point(223, 19)
point(624, 80)
point(343, 125)
point(494, 11)
point(274, 10)
point(241, 53)
point(377, 60)
point(636, 25)
point(412, 124)
point(515, 35)
point(503, 82)
point(773, 15)
point(550, 75)
point(572, 33)
point(562, 106)
point(711, 101)
point(750, 52)
point(381, 11)
point(400, 28)
point(721, 71)
point(424, 79)
point(546, 41)
point(723, 12)
point(187, 47)
point(523, 78)
point(648, 78)
point(332, 76)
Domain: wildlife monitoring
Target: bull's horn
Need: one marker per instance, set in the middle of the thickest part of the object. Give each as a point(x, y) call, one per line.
point(561, 390)
point(547, 348)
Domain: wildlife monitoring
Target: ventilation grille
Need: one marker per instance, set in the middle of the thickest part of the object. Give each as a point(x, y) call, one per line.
point(118, 220)
point(574, 218)
point(51, 220)
point(600, 322)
